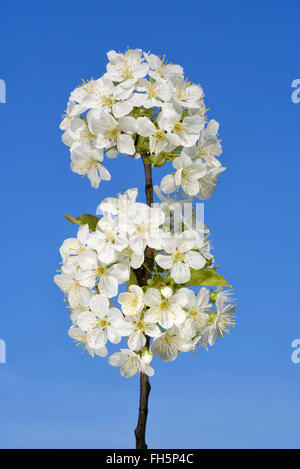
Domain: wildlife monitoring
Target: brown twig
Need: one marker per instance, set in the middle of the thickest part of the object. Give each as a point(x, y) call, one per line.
point(142, 276)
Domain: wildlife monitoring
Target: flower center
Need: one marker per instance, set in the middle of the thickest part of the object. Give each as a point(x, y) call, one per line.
point(140, 326)
point(152, 89)
point(160, 135)
point(130, 365)
point(164, 305)
point(100, 271)
point(112, 133)
point(178, 128)
point(178, 256)
point(107, 101)
point(140, 228)
point(102, 323)
point(110, 235)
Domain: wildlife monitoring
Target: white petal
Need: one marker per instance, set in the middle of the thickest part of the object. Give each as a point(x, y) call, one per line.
point(122, 108)
point(99, 304)
point(136, 341)
point(125, 144)
point(152, 297)
point(145, 127)
point(128, 124)
point(168, 184)
point(180, 272)
point(107, 253)
point(116, 359)
point(113, 336)
point(120, 271)
point(108, 285)
point(165, 262)
point(194, 260)
point(86, 321)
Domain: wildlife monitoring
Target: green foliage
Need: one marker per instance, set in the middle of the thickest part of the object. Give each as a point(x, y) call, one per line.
point(132, 278)
point(158, 160)
point(141, 112)
point(207, 278)
point(143, 145)
point(84, 219)
point(213, 297)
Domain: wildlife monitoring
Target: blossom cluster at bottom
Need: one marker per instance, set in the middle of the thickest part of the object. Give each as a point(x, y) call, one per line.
point(163, 318)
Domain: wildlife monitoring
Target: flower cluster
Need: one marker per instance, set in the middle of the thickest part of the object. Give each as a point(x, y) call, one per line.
point(132, 274)
point(163, 317)
point(143, 105)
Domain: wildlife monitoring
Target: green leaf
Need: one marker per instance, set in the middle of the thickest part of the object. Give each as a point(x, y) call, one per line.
point(84, 219)
point(141, 112)
point(157, 160)
point(143, 145)
point(132, 278)
point(207, 278)
point(160, 159)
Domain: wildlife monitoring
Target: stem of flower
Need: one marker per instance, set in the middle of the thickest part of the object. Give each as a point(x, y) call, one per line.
point(143, 274)
point(147, 268)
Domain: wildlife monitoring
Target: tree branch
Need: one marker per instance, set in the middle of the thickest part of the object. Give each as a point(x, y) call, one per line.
point(142, 276)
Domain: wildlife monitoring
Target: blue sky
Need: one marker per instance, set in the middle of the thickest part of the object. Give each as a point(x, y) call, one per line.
point(244, 393)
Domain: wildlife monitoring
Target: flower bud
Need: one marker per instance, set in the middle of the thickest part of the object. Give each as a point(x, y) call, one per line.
point(146, 356)
point(213, 297)
point(167, 292)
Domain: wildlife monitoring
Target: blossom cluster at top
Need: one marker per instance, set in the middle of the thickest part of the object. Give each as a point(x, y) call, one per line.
point(165, 311)
point(143, 105)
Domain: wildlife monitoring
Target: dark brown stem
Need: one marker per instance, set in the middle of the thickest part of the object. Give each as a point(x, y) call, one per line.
point(140, 431)
point(142, 276)
point(148, 181)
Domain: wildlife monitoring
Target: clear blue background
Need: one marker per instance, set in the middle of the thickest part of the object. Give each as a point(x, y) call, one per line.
point(245, 391)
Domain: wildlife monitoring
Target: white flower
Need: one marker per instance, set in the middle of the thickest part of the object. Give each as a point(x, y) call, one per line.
point(136, 328)
point(186, 94)
point(130, 363)
point(168, 344)
point(208, 146)
point(132, 302)
point(78, 132)
point(183, 132)
point(78, 296)
point(73, 246)
point(135, 260)
point(67, 116)
point(160, 69)
point(143, 227)
point(164, 307)
point(92, 94)
point(111, 132)
point(188, 176)
point(79, 336)
point(107, 240)
point(180, 256)
point(100, 323)
point(196, 310)
point(100, 94)
point(224, 296)
point(118, 205)
point(87, 161)
point(152, 93)
point(106, 277)
point(221, 321)
point(208, 182)
point(126, 66)
point(158, 139)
